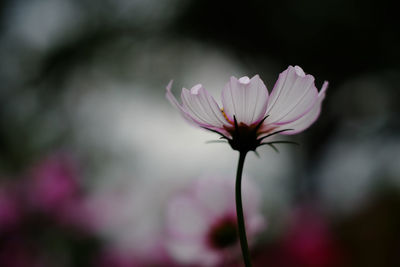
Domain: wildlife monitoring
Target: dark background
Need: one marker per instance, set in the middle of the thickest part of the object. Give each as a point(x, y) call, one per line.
point(87, 78)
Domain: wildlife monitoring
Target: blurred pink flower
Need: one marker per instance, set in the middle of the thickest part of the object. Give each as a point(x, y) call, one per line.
point(53, 182)
point(310, 242)
point(307, 242)
point(10, 207)
point(249, 114)
point(53, 188)
point(201, 221)
point(118, 258)
point(130, 221)
point(115, 259)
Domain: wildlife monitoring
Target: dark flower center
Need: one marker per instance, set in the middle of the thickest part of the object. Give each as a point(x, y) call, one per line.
point(244, 137)
point(223, 234)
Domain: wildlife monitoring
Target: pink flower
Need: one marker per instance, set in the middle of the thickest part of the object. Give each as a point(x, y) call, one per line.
point(53, 188)
point(115, 259)
point(111, 257)
point(249, 114)
point(10, 207)
point(310, 241)
point(53, 183)
point(201, 222)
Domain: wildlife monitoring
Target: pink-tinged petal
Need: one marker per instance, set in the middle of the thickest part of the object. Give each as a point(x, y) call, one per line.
point(246, 99)
point(294, 94)
point(176, 104)
point(199, 108)
point(202, 107)
point(170, 96)
point(308, 119)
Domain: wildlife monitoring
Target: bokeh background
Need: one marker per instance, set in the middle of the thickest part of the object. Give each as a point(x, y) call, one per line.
point(91, 152)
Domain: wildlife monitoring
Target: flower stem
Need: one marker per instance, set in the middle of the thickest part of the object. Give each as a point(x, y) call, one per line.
point(239, 211)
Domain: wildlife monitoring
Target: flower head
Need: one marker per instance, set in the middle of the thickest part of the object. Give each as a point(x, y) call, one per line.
point(201, 221)
point(249, 114)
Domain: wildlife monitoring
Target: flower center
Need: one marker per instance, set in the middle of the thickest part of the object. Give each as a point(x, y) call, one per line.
point(244, 137)
point(223, 234)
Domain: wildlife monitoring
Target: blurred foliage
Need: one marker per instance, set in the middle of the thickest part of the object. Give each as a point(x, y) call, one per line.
point(336, 39)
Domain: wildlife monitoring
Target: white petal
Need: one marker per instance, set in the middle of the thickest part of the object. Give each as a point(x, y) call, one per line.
point(171, 97)
point(194, 120)
point(246, 99)
point(202, 107)
point(294, 94)
point(176, 104)
point(309, 118)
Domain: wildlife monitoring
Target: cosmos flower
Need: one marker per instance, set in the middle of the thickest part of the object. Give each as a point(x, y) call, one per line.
point(201, 221)
point(249, 114)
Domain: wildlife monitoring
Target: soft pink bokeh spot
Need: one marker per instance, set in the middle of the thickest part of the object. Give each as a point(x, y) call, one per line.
point(201, 221)
point(310, 241)
point(53, 182)
point(53, 188)
point(10, 207)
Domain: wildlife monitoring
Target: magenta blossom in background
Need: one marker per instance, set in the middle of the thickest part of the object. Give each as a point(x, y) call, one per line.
point(10, 207)
point(117, 258)
point(201, 222)
point(249, 114)
point(53, 188)
point(53, 183)
point(310, 242)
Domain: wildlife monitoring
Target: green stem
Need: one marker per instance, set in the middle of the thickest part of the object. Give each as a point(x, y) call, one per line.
point(239, 211)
